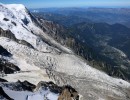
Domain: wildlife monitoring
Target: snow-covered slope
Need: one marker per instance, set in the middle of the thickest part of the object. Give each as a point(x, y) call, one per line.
point(42, 94)
point(19, 22)
point(43, 91)
point(50, 61)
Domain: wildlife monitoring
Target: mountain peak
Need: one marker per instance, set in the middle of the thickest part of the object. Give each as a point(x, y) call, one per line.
point(14, 11)
point(16, 6)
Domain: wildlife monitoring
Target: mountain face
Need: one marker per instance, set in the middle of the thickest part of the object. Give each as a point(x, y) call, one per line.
point(109, 42)
point(30, 53)
point(105, 46)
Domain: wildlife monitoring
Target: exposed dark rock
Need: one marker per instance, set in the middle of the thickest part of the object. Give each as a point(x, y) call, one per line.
point(66, 92)
point(7, 67)
point(3, 80)
point(14, 23)
point(25, 21)
point(4, 52)
point(3, 95)
point(11, 36)
point(6, 19)
point(19, 86)
point(27, 86)
point(53, 87)
point(51, 29)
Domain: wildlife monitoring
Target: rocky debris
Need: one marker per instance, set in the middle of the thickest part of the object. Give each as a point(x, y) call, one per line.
point(7, 67)
point(65, 92)
point(5, 19)
point(14, 23)
point(53, 87)
point(19, 86)
point(3, 95)
point(27, 86)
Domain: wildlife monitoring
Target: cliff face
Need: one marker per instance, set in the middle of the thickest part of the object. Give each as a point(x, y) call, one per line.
point(60, 92)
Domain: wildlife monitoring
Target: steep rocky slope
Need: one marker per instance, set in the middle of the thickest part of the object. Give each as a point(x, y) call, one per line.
point(40, 58)
point(42, 91)
point(104, 46)
point(110, 43)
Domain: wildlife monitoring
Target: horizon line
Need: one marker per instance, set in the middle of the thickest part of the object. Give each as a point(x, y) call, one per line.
point(80, 7)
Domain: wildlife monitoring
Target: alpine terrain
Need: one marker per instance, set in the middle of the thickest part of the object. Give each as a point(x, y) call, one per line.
point(35, 66)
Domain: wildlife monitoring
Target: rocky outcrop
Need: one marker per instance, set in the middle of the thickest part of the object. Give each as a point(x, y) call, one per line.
point(3, 80)
point(53, 87)
point(3, 95)
point(10, 35)
point(19, 86)
point(4, 52)
point(27, 86)
point(65, 92)
point(7, 67)
point(52, 29)
point(68, 93)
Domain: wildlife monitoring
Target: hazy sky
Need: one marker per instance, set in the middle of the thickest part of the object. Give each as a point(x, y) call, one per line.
point(70, 3)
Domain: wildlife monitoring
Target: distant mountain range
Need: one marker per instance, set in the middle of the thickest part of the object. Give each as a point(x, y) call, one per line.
point(108, 15)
